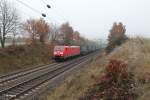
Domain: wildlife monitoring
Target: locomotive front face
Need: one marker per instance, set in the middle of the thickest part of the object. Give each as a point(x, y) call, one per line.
point(59, 51)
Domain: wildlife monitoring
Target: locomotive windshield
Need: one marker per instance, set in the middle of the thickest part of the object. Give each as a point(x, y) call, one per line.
point(59, 48)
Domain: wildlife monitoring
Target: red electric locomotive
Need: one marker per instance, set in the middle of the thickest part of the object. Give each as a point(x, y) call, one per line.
point(63, 52)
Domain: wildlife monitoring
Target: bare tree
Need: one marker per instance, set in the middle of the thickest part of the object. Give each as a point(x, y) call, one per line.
point(54, 33)
point(37, 29)
point(76, 38)
point(17, 31)
point(8, 20)
point(42, 30)
point(67, 33)
point(30, 26)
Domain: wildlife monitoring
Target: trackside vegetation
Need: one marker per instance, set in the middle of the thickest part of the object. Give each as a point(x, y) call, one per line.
point(119, 75)
point(37, 35)
point(13, 58)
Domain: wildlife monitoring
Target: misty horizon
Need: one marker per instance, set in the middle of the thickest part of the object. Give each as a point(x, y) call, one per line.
point(93, 18)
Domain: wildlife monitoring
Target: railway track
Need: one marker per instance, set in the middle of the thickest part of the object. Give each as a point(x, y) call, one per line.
point(20, 85)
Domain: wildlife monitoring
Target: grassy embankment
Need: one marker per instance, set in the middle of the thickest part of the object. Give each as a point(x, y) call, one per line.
point(135, 53)
point(77, 84)
point(13, 58)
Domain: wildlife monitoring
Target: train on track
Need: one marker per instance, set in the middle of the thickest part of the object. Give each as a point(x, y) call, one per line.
point(66, 52)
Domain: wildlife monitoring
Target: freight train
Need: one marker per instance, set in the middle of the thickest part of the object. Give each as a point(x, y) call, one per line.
point(65, 52)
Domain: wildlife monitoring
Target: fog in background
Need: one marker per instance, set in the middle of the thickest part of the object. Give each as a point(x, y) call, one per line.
point(93, 18)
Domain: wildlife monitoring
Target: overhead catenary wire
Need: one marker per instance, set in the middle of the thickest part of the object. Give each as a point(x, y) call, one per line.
point(44, 2)
point(36, 11)
point(33, 9)
point(47, 5)
point(48, 0)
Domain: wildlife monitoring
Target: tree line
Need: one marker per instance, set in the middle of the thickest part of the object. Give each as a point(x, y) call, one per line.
point(37, 30)
point(116, 36)
point(40, 31)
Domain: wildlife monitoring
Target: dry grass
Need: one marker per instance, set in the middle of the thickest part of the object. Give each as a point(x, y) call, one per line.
point(136, 53)
point(77, 84)
point(19, 57)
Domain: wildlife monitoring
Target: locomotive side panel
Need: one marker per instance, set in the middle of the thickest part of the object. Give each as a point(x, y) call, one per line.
point(63, 52)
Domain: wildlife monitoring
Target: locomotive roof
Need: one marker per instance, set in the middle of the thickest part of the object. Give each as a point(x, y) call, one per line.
point(67, 46)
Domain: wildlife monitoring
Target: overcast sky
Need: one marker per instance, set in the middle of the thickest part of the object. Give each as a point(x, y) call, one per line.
point(93, 18)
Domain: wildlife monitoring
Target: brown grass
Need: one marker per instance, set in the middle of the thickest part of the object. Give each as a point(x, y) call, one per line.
point(116, 84)
point(77, 84)
point(136, 53)
point(14, 58)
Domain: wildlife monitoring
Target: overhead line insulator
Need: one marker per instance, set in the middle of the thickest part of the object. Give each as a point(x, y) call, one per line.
point(44, 15)
point(48, 6)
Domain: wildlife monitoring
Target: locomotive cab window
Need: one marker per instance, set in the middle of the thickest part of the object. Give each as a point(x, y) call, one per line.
point(66, 49)
point(59, 48)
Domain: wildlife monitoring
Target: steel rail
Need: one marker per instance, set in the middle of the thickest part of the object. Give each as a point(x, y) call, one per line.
point(15, 91)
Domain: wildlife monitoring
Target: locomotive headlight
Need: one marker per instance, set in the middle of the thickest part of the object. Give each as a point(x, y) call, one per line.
point(61, 53)
point(55, 53)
